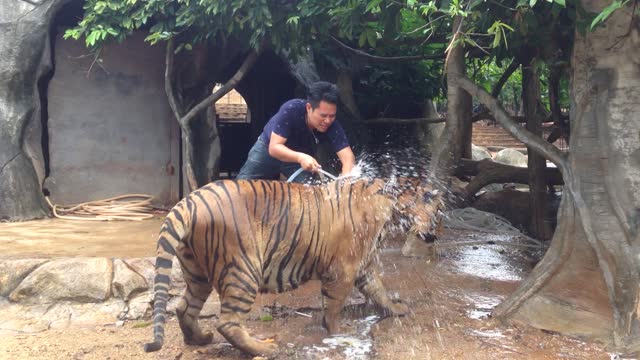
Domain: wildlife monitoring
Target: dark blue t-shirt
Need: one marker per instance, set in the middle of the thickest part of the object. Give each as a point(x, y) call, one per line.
point(290, 123)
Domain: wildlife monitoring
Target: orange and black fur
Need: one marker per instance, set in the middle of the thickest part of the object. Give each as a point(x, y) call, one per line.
point(248, 236)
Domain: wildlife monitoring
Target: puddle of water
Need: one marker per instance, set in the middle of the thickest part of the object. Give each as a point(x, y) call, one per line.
point(614, 356)
point(494, 334)
point(486, 263)
point(492, 262)
point(358, 346)
point(482, 305)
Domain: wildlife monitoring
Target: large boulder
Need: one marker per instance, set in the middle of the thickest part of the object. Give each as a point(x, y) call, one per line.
point(138, 307)
point(24, 59)
point(73, 279)
point(144, 267)
point(126, 281)
point(12, 272)
point(510, 204)
point(511, 157)
point(479, 153)
point(25, 318)
point(514, 206)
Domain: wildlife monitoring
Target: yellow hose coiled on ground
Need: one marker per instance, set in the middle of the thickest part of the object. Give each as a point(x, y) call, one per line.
point(124, 207)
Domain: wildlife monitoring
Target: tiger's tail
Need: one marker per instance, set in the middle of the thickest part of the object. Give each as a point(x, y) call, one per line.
point(174, 228)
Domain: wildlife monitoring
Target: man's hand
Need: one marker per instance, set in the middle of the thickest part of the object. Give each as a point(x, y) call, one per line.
point(308, 163)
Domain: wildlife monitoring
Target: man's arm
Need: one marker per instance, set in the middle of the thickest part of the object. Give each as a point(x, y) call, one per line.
point(280, 151)
point(348, 160)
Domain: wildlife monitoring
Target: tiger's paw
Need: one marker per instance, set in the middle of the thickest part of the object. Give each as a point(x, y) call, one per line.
point(332, 327)
point(265, 348)
point(398, 309)
point(204, 339)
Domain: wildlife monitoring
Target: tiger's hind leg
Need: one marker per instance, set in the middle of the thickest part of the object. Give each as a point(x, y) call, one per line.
point(195, 295)
point(371, 286)
point(236, 300)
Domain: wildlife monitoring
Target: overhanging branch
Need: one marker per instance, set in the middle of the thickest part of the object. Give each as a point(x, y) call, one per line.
point(487, 172)
point(497, 87)
point(535, 142)
point(224, 89)
point(388, 58)
point(399, 121)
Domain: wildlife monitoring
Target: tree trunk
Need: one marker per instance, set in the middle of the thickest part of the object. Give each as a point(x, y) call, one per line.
point(554, 95)
point(344, 82)
point(186, 120)
point(587, 284)
point(215, 145)
point(428, 132)
point(455, 141)
point(535, 162)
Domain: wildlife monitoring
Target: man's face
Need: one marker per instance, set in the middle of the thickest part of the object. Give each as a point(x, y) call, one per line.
point(321, 117)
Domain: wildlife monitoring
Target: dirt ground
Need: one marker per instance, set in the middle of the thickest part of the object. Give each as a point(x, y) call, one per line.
point(451, 298)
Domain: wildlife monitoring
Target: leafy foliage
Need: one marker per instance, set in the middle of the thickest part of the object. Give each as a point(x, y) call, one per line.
point(398, 89)
point(254, 23)
point(495, 31)
point(606, 12)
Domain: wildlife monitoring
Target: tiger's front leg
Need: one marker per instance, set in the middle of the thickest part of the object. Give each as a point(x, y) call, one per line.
point(335, 292)
point(371, 286)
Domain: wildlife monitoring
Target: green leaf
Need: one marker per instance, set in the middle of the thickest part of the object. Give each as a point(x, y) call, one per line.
point(91, 39)
point(606, 12)
point(371, 37)
point(532, 3)
point(374, 4)
point(362, 39)
point(72, 33)
point(293, 20)
point(561, 2)
point(496, 39)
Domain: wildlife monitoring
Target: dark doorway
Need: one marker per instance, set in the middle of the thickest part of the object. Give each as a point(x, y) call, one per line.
point(265, 88)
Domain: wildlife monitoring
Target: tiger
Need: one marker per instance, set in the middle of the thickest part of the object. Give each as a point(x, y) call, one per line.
point(243, 237)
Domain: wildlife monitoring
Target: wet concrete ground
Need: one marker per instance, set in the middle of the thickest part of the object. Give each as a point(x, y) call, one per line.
point(63, 238)
point(451, 298)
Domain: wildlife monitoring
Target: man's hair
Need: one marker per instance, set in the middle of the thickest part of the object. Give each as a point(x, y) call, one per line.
point(322, 91)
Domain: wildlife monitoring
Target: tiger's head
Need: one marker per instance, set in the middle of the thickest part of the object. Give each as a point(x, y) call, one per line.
point(418, 206)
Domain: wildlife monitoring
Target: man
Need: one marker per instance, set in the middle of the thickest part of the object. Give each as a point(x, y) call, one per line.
point(291, 136)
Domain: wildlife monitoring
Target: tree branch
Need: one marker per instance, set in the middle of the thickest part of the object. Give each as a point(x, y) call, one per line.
point(497, 87)
point(387, 59)
point(487, 172)
point(386, 120)
point(535, 142)
point(224, 89)
point(168, 83)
